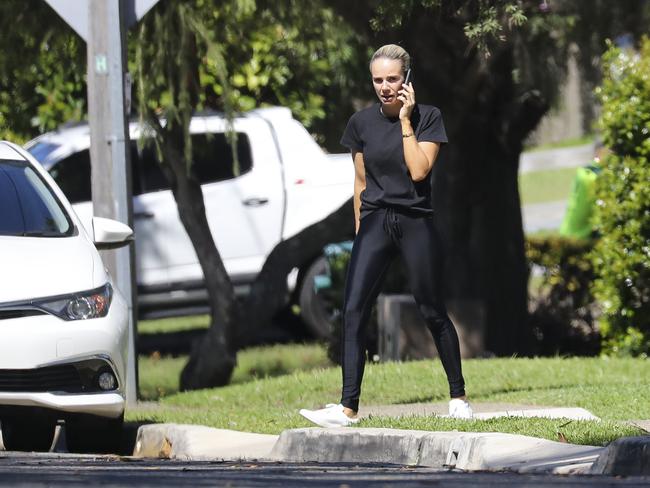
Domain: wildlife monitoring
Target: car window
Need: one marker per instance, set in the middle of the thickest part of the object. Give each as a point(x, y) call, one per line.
point(29, 208)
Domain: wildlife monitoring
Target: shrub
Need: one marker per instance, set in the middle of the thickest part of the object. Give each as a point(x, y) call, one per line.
point(621, 257)
point(562, 311)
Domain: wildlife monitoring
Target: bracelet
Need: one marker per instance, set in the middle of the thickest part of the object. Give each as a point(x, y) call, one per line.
point(407, 135)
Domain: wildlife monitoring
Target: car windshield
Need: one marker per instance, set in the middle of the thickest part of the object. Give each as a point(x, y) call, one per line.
point(41, 150)
point(27, 205)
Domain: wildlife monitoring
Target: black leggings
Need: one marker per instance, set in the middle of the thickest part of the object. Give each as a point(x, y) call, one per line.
point(382, 234)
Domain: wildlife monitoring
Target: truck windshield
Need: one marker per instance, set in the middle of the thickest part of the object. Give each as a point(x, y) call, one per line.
point(27, 205)
point(41, 150)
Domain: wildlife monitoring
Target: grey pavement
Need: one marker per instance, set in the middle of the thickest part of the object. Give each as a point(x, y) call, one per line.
point(543, 216)
point(482, 411)
point(549, 215)
point(568, 157)
point(641, 424)
point(20, 469)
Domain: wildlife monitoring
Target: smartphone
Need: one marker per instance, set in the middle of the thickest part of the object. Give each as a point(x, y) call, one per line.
point(408, 77)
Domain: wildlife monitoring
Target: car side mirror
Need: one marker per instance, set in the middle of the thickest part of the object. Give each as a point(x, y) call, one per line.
point(110, 234)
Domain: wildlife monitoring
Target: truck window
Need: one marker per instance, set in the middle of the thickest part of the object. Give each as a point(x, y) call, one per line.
point(145, 160)
point(212, 161)
point(72, 174)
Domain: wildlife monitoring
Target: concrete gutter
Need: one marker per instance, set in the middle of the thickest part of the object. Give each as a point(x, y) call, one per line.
point(459, 450)
point(627, 456)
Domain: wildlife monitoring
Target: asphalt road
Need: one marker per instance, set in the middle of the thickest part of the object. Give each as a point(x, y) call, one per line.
point(54, 470)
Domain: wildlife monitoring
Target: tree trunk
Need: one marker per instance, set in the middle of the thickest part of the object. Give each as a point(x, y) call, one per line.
point(476, 197)
point(213, 357)
point(269, 291)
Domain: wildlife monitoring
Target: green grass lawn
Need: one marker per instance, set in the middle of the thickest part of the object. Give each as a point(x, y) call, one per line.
point(576, 141)
point(173, 324)
point(546, 186)
point(159, 376)
point(613, 389)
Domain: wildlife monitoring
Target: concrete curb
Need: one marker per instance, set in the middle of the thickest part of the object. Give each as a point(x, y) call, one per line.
point(460, 450)
point(197, 442)
point(628, 456)
point(573, 413)
point(467, 451)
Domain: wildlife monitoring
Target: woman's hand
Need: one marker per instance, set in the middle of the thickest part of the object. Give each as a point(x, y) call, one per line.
point(407, 96)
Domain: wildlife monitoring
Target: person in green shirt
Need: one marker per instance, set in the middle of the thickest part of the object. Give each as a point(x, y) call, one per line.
point(579, 218)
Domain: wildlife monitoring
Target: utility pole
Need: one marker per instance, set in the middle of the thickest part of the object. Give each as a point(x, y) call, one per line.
point(110, 149)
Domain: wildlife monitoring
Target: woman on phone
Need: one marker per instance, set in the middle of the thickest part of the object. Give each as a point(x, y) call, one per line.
point(394, 144)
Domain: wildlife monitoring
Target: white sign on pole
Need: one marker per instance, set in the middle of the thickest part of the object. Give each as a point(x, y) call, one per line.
point(75, 13)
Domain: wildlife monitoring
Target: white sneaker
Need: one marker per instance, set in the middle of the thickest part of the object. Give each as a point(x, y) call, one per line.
point(460, 409)
point(330, 416)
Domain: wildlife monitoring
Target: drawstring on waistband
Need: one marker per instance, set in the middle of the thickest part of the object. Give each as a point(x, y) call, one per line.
point(391, 224)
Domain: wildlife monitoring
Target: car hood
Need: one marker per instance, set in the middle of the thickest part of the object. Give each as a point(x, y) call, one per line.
point(34, 267)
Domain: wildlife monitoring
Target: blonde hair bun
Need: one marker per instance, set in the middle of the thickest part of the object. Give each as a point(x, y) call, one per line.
point(392, 51)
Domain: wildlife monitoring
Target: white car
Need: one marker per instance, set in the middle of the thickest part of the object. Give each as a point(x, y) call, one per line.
point(63, 325)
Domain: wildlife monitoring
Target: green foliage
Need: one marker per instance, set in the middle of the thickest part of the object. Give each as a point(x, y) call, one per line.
point(251, 53)
point(42, 71)
point(295, 53)
point(484, 20)
point(621, 257)
point(562, 309)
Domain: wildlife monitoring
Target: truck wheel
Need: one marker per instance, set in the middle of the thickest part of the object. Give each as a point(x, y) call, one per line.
point(28, 433)
point(93, 434)
point(313, 309)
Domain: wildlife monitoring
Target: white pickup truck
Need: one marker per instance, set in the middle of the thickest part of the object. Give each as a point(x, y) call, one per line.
point(285, 183)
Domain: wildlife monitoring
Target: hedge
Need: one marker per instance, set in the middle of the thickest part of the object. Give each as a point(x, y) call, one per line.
point(621, 257)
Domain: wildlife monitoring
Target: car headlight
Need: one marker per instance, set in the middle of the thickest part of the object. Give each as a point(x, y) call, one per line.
point(85, 305)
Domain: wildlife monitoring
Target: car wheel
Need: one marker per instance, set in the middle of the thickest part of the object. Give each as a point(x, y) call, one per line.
point(313, 309)
point(93, 434)
point(28, 433)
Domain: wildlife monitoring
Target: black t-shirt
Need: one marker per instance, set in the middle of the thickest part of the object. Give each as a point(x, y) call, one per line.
point(388, 182)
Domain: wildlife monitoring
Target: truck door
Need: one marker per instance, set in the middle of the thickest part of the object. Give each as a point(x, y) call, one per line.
point(245, 207)
point(157, 213)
